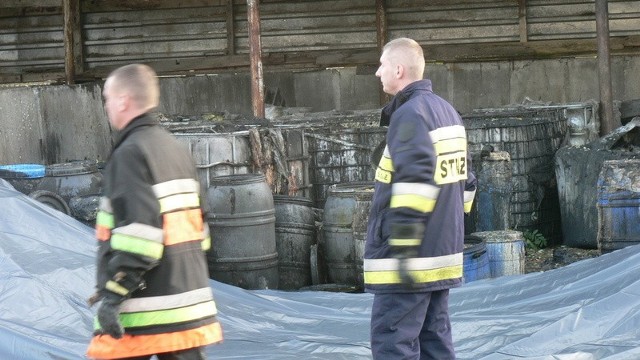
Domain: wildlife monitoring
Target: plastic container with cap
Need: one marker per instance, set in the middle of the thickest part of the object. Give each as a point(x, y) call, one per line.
point(23, 177)
point(72, 179)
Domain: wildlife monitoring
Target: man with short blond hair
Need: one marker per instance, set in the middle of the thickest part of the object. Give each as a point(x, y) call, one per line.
point(415, 236)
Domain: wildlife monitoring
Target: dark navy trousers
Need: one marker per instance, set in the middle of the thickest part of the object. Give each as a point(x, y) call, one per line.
point(411, 326)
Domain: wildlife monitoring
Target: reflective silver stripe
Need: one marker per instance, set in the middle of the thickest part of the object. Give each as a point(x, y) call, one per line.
point(424, 263)
point(154, 303)
point(179, 201)
point(176, 187)
point(105, 205)
point(140, 231)
point(469, 195)
point(447, 132)
point(425, 190)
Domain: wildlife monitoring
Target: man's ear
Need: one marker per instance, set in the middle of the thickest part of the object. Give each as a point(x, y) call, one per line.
point(399, 71)
point(123, 102)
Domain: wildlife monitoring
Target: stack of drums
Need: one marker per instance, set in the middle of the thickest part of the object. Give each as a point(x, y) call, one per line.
point(340, 157)
point(346, 213)
point(618, 204)
point(241, 217)
point(295, 235)
point(531, 138)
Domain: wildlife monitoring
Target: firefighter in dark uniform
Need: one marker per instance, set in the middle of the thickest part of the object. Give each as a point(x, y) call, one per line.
point(415, 235)
point(152, 277)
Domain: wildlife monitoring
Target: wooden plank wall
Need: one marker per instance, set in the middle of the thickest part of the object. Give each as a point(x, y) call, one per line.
point(183, 37)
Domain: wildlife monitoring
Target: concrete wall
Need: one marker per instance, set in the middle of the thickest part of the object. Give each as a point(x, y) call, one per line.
point(52, 124)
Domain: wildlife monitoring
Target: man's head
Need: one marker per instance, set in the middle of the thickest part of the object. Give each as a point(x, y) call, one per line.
point(130, 91)
point(401, 63)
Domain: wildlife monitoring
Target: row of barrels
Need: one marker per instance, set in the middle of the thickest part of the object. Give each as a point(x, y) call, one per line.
point(270, 241)
point(266, 241)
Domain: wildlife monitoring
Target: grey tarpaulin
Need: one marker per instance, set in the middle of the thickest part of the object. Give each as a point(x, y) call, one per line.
point(587, 310)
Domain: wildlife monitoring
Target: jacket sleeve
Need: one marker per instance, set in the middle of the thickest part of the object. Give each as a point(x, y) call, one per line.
point(470, 186)
point(136, 240)
point(414, 190)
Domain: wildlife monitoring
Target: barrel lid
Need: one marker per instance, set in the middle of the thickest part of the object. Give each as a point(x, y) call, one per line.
point(286, 199)
point(355, 186)
point(71, 168)
point(18, 171)
point(237, 179)
point(499, 235)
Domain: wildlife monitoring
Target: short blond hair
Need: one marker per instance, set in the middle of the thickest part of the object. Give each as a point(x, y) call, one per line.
point(408, 53)
point(140, 82)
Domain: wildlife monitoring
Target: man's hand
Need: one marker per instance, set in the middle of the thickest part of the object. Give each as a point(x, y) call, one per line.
point(403, 271)
point(108, 316)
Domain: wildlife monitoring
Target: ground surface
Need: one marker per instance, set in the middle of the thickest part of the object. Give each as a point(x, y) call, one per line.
point(555, 257)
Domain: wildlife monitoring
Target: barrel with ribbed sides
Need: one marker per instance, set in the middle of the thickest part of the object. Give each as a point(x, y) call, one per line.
point(506, 251)
point(241, 217)
point(475, 259)
point(217, 154)
point(618, 204)
point(295, 234)
point(346, 212)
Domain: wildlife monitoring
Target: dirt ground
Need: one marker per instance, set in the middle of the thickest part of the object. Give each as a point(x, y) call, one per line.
point(555, 257)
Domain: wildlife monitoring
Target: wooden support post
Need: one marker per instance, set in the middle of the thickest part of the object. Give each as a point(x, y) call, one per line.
point(522, 15)
point(72, 40)
point(231, 36)
point(381, 37)
point(607, 122)
point(255, 55)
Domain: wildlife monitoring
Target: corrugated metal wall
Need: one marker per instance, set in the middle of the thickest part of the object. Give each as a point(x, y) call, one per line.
point(181, 36)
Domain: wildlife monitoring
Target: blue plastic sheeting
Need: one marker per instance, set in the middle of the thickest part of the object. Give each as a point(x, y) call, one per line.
point(587, 310)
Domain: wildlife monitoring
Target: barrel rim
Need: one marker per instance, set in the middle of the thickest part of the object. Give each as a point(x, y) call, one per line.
point(237, 179)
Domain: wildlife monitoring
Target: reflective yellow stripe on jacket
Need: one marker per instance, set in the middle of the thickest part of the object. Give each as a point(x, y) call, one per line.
point(104, 220)
point(451, 154)
point(384, 171)
point(416, 196)
point(168, 309)
point(423, 270)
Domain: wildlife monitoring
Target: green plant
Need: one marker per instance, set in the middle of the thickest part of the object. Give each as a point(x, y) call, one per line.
point(534, 240)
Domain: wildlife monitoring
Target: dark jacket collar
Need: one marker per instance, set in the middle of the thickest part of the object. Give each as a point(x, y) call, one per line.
point(401, 97)
point(137, 122)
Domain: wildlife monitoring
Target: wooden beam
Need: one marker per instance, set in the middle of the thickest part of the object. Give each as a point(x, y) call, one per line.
point(72, 40)
point(607, 122)
point(381, 24)
point(522, 16)
point(29, 3)
point(231, 31)
point(381, 39)
point(255, 55)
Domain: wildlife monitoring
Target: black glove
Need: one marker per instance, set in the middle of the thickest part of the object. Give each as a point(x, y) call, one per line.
point(108, 316)
point(403, 254)
point(403, 247)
